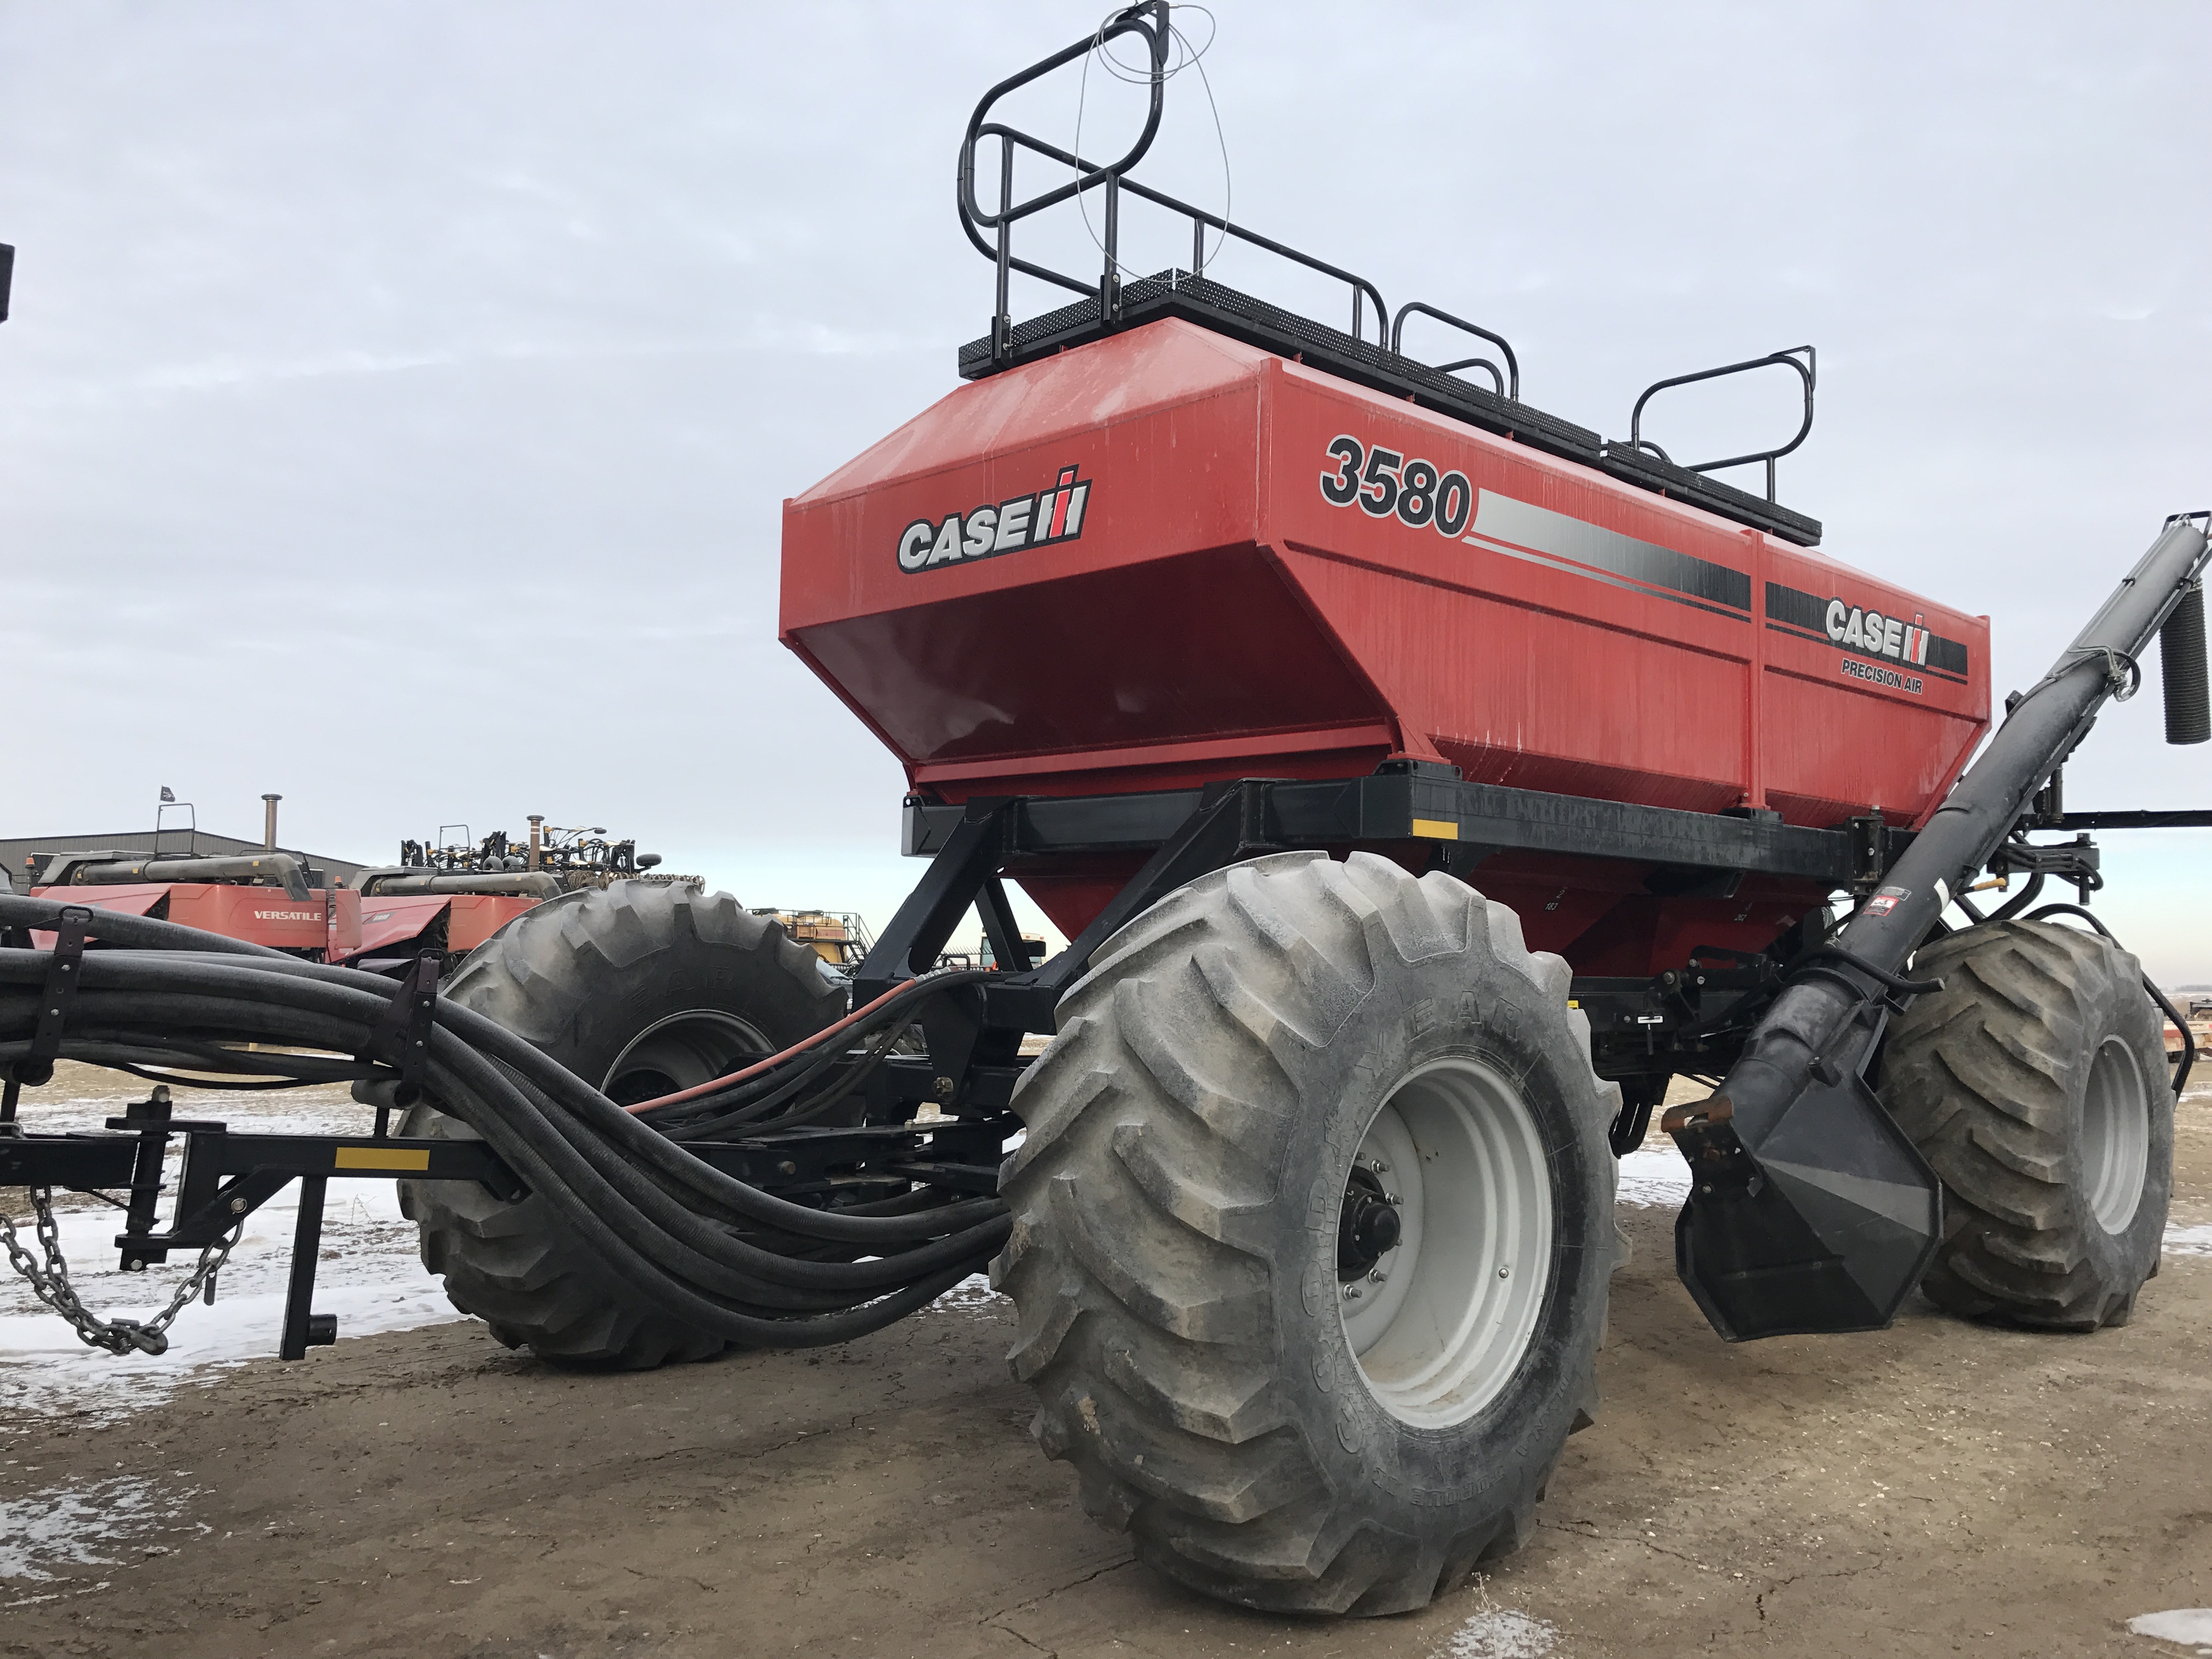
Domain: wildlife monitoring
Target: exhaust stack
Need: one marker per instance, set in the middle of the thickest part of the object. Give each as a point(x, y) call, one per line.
point(269, 821)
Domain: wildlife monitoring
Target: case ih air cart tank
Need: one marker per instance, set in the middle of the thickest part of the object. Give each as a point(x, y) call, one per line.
point(1422, 782)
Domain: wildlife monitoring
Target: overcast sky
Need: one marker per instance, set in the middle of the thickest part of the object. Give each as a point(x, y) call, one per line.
point(399, 398)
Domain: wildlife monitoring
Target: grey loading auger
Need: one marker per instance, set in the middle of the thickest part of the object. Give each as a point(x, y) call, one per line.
point(1809, 1210)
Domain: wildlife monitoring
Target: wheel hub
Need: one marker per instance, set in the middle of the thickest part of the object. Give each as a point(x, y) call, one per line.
point(1443, 1242)
point(1370, 1227)
point(2115, 1135)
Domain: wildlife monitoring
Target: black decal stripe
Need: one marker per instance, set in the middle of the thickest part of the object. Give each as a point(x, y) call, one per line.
point(1798, 609)
point(1626, 586)
point(1799, 633)
point(1526, 531)
point(1792, 609)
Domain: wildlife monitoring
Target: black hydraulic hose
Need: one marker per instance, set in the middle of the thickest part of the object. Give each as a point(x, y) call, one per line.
point(703, 1128)
point(557, 1132)
point(124, 1050)
point(515, 1052)
point(656, 1224)
point(569, 1157)
point(756, 1098)
point(619, 1241)
point(1880, 975)
point(364, 996)
point(756, 1095)
point(141, 931)
point(2021, 900)
point(2188, 1039)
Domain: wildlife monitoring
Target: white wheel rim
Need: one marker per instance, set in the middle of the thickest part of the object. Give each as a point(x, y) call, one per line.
point(1444, 1320)
point(2115, 1135)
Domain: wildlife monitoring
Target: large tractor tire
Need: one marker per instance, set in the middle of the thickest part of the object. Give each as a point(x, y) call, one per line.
point(1313, 1232)
point(2035, 1083)
point(639, 989)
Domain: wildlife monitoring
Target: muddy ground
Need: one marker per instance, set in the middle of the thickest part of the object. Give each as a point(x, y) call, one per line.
point(1939, 1488)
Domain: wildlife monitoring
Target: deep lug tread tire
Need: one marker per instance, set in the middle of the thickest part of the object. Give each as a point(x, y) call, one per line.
point(578, 978)
point(1175, 1205)
point(1989, 1076)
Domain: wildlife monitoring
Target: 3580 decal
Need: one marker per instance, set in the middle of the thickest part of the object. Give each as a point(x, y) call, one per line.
point(1385, 484)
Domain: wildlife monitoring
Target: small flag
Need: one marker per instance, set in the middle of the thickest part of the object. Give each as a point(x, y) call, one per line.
point(168, 796)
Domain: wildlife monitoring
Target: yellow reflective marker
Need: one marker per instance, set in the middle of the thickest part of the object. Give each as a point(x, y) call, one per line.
point(1436, 829)
point(382, 1158)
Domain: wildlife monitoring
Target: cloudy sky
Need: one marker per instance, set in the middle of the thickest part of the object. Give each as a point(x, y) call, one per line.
point(399, 398)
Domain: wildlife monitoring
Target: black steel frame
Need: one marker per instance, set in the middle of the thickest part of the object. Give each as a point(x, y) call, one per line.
point(1691, 1019)
point(1686, 1019)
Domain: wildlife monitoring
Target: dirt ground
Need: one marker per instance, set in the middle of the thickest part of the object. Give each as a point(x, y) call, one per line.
point(1938, 1488)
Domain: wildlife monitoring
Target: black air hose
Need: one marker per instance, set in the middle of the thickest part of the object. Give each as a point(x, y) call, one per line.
point(713, 1250)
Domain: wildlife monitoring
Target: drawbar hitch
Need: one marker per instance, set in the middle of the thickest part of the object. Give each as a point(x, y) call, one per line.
point(1809, 1210)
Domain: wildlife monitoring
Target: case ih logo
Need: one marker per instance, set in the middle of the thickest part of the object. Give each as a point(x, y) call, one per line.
point(983, 533)
point(1876, 634)
point(1804, 616)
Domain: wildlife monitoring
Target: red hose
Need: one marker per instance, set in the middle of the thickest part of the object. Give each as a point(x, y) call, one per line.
point(758, 1067)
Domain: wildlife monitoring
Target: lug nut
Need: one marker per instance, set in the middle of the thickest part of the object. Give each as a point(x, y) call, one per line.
point(1378, 1276)
point(1505, 1271)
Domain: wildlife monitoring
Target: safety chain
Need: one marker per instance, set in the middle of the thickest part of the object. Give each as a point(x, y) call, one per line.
point(116, 1336)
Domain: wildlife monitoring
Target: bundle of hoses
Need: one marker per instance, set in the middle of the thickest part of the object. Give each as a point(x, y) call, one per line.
point(703, 1247)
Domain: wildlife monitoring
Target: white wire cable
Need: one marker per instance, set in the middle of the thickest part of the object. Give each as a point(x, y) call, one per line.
point(1186, 57)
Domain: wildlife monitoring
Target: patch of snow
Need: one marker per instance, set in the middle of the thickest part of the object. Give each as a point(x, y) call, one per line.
point(2188, 1241)
point(368, 1273)
point(970, 1294)
point(72, 1526)
point(1654, 1176)
point(2185, 1626)
point(1500, 1633)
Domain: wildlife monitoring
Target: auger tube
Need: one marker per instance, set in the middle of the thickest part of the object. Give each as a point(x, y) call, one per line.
point(281, 867)
point(412, 879)
point(1809, 1210)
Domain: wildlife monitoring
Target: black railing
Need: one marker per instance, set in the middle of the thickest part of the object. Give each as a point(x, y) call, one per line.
point(1787, 359)
point(1508, 380)
point(1150, 22)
